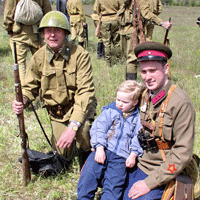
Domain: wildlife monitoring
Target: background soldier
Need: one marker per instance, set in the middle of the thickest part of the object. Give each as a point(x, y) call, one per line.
point(109, 26)
point(63, 71)
point(77, 20)
point(100, 45)
point(125, 18)
point(25, 36)
point(149, 11)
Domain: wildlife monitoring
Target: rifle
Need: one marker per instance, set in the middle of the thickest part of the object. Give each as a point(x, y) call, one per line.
point(166, 42)
point(23, 135)
point(137, 24)
point(86, 33)
point(98, 29)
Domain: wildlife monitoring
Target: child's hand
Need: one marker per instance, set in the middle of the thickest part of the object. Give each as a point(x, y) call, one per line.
point(130, 161)
point(100, 155)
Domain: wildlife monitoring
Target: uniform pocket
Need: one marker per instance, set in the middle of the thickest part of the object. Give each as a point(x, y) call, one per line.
point(70, 77)
point(49, 80)
point(167, 124)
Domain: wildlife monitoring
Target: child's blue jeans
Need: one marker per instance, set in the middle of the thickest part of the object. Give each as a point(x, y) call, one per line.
point(111, 176)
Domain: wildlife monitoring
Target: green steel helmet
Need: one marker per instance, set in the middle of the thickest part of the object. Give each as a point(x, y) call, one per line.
point(55, 19)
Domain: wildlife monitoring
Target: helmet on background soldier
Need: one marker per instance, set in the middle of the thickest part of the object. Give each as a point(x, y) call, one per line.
point(55, 19)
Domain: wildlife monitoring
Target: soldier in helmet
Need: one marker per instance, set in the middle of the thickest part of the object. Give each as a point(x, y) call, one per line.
point(63, 72)
point(25, 36)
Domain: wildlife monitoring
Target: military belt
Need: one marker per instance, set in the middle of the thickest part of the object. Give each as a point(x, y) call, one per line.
point(59, 110)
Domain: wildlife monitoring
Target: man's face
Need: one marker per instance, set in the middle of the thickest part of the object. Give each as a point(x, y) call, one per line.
point(154, 74)
point(55, 37)
point(125, 102)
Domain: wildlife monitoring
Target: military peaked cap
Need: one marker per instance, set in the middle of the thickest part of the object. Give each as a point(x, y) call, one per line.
point(152, 51)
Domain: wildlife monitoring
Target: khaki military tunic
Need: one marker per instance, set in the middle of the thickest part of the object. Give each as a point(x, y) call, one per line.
point(25, 36)
point(65, 80)
point(95, 17)
point(177, 128)
point(109, 26)
point(77, 17)
point(150, 9)
point(125, 18)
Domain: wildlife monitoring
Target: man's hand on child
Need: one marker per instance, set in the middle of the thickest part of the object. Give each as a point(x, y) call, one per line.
point(100, 155)
point(130, 161)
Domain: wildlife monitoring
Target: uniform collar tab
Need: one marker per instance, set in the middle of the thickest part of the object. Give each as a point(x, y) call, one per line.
point(159, 96)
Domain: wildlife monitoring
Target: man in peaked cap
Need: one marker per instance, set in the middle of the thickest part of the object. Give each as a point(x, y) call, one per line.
point(167, 136)
point(63, 72)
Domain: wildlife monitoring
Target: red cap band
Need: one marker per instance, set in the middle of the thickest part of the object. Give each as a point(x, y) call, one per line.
point(152, 53)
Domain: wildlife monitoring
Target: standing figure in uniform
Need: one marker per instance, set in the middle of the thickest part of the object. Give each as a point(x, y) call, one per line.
point(109, 26)
point(25, 36)
point(100, 45)
point(168, 118)
point(63, 72)
point(77, 20)
point(149, 11)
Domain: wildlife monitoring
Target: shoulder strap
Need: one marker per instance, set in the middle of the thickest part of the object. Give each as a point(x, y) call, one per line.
point(163, 110)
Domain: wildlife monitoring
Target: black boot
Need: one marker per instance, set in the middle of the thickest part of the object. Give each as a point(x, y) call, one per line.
point(82, 156)
point(81, 43)
point(99, 50)
point(103, 51)
point(131, 76)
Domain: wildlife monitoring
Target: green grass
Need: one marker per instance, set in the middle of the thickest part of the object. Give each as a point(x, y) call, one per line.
point(185, 44)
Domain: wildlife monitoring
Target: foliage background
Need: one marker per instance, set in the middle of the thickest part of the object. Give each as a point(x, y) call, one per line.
point(185, 44)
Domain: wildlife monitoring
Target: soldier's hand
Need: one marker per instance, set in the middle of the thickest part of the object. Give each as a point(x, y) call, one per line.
point(167, 25)
point(17, 107)
point(138, 189)
point(66, 138)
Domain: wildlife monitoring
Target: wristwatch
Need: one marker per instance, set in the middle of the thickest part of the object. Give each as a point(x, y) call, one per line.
point(75, 128)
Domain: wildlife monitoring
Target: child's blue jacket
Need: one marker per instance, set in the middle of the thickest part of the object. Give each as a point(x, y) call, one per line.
point(117, 134)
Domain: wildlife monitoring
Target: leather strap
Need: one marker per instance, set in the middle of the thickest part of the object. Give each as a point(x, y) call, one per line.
point(163, 110)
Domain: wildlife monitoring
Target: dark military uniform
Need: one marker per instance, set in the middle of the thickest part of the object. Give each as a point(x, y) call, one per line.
point(25, 36)
point(66, 82)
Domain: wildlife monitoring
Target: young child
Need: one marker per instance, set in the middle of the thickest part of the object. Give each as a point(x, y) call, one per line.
point(114, 139)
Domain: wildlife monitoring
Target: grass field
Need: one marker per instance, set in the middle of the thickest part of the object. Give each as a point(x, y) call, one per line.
point(185, 44)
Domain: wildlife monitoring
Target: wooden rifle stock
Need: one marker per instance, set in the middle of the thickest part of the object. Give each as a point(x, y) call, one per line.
point(138, 25)
point(98, 29)
point(23, 135)
point(135, 32)
point(166, 34)
point(166, 42)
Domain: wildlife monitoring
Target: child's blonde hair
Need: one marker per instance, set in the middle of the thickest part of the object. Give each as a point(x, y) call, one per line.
point(131, 86)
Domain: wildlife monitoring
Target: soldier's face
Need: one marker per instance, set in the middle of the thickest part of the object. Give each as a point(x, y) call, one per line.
point(154, 74)
point(125, 102)
point(55, 37)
